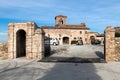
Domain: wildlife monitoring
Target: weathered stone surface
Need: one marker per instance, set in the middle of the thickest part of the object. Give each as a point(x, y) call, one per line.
point(110, 44)
point(34, 40)
point(3, 51)
point(117, 48)
point(71, 31)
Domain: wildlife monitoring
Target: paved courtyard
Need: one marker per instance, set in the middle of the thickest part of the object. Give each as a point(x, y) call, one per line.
point(82, 51)
point(22, 69)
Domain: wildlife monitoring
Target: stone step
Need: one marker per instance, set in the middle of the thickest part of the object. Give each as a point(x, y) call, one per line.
point(73, 60)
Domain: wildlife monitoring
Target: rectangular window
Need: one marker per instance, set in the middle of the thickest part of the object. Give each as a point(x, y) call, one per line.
point(85, 39)
point(80, 32)
point(85, 32)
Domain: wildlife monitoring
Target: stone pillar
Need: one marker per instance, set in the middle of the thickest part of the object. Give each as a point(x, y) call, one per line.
point(11, 40)
point(38, 44)
point(109, 44)
point(29, 40)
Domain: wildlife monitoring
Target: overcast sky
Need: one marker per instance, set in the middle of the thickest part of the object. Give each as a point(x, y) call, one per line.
point(97, 14)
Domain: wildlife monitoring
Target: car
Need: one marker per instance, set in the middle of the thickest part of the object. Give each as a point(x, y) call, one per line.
point(54, 41)
point(80, 42)
point(97, 42)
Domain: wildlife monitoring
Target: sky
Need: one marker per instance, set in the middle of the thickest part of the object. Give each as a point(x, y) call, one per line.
point(97, 14)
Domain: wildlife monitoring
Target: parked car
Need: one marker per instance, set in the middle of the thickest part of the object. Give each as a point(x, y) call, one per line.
point(97, 42)
point(54, 41)
point(80, 42)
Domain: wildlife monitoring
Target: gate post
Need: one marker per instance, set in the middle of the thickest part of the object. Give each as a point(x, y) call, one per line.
point(109, 44)
point(11, 50)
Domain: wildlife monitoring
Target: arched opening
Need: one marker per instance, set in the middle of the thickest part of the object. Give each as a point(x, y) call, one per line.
point(92, 38)
point(21, 43)
point(60, 21)
point(117, 34)
point(65, 40)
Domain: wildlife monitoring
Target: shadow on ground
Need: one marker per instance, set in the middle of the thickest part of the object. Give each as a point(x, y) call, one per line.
point(52, 71)
point(72, 72)
point(100, 54)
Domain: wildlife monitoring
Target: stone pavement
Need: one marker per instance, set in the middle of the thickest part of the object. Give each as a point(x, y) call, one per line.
point(22, 69)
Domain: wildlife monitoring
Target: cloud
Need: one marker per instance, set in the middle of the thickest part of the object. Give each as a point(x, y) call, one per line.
point(92, 12)
point(3, 36)
point(3, 33)
point(25, 3)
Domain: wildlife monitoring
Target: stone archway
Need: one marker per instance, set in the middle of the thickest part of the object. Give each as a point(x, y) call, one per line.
point(65, 40)
point(20, 43)
point(92, 39)
point(25, 40)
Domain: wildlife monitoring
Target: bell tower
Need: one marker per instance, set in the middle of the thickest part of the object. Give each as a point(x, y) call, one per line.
point(60, 20)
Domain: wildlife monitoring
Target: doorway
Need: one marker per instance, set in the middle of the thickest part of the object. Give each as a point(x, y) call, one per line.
point(65, 40)
point(21, 43)
point(92, 38)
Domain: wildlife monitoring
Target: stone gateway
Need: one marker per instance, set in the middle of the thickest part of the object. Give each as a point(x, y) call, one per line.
point(25, 40)
point(28, 40)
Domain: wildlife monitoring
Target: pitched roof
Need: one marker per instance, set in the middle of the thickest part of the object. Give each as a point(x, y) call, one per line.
point(60, 16)
point(100, 35)
point(65, 27)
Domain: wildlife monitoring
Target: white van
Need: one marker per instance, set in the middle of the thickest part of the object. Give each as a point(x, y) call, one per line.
point(54, 41)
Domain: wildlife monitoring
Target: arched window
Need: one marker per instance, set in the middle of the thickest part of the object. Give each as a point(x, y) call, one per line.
point(74, 38)
point(85, 32)
point(60, 21)
point(80, 37)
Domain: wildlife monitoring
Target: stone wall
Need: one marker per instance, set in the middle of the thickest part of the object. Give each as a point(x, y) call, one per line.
point(3, 51)
point(117, 48)
point(110, 44)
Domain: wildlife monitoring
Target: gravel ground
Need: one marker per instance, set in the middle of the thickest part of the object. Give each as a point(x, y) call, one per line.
point(21, 69)
point(83, 51)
